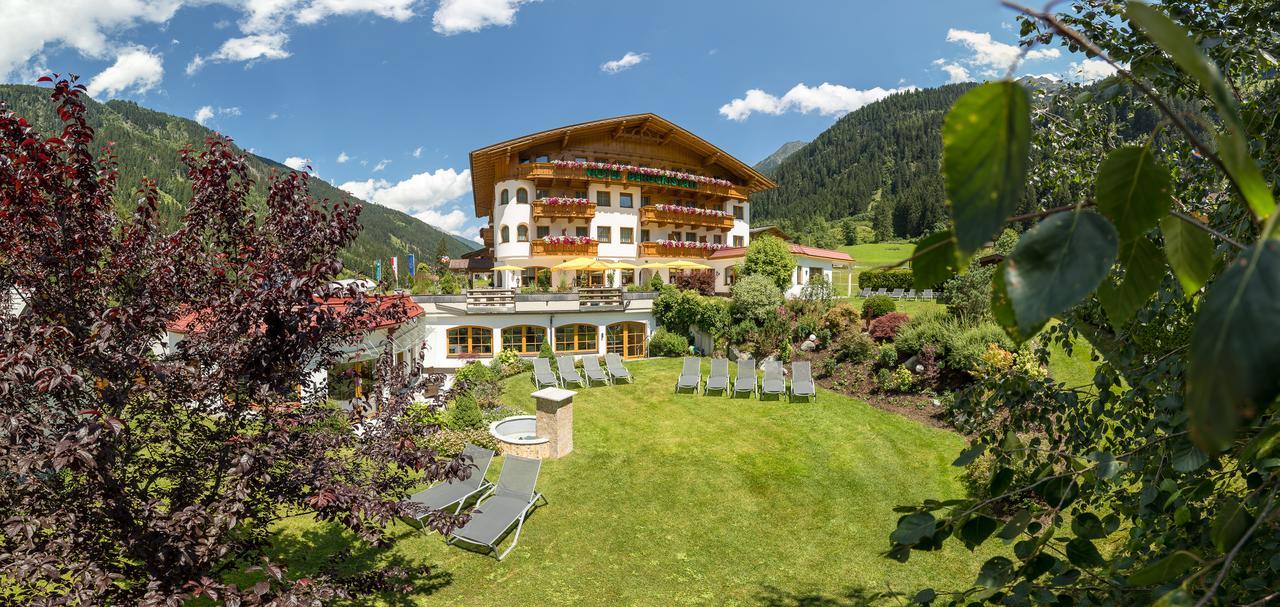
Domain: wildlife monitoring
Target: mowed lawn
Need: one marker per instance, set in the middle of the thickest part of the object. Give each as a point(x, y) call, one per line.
point(867, 256)
point(693, 500)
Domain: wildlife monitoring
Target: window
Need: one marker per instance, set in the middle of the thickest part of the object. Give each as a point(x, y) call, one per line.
point(644, 201)
point(522, 233)
point(738, 212)
point(470, 341)
point(604, 234)
point(674, 236)
point(541, 195)
point(543, 231)
point(717, 239)
point(628, 277)
point(627, 235)
point(504, 198)
point(625, 338)
point(737, 241)
point(580, 231)
point(602, 199)
point(691, 237)
point(579, 159)
point(580, 194)
point(524, 339)
point(624, 201)
point(506, 233)
point(644, 235)
point(702, 239)
point(576, 338)
point(730, 274)
point(522, 196)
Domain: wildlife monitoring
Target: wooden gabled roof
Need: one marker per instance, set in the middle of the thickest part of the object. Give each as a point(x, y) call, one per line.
point(483, 160)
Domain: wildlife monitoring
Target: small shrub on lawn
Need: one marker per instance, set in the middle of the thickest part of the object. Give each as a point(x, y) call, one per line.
point(473, 373)
point(546, 352)
point(854, 347)
point(449, 443)
point(888, 356)
point(665, 343)
point(876, 306)
point(899, 379)
point(507, 363)
point(828, 366)
point(805, 326)
point(959, 346)
point(465, 413)
point(966, 351)
point(838, 321)
point(886, 327)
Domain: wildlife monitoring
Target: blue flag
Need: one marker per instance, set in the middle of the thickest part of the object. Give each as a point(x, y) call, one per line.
point(411, 265)
point(377, 270)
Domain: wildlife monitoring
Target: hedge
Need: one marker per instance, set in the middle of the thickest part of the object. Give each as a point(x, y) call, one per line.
point(892, 278)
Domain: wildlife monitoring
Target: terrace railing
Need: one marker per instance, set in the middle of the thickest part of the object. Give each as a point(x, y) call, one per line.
point(657, 249)
point(653, 215)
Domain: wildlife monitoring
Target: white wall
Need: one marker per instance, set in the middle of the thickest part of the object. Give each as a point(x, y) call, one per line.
point(437, 343)
point(511, 216)
point(804, 265)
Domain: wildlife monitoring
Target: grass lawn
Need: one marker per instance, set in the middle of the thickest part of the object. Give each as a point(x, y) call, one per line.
point(867, 256)
point(693, 500)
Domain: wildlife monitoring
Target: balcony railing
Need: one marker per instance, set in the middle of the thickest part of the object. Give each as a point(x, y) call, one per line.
point(654, 215)
point(542, 210)
point(542, 247)
point(547, 170)
point(657, 249)
point(486, 236)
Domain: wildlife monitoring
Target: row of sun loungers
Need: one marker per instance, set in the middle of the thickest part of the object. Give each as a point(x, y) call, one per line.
point(899, 293)
point(500, 506)
point(613, 372)
point(745, 380)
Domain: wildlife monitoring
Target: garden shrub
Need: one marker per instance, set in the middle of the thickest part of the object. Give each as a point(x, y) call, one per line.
point(888, 356)
point(886, 327)
point(891, 278)
point(701, 281)
point(838, 321)
point(449, 442)
point(828, 366)
point(968, 295)
point(965, 353)
point(899, 379)
point(546, 352)
point(817, 290)
point(449, 284)
point(805, 326)
point(959, 346)
point(666, 343)
point(755, 299)
point(769, 257)
point(465, 413)
point(655, 282)
point(473, 373)
point(679, 311)
point(877, 306)
point(507, 363)
point(854, 347)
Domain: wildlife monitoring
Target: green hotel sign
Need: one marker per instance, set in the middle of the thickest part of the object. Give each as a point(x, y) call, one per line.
point(641, 177)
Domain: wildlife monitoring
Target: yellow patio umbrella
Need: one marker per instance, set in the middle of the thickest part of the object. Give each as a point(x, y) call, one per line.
point(622, 265)
point(581, 263)
point(683, 264)
point(507, 269)
point(652, 265)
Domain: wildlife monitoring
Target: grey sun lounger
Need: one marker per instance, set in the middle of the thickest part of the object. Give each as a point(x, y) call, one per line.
point(745, 380)
point(569, 373)
point(926, 294)
point(542, 373)
point(508, 504)
point(613, 362)
point(896, 294)
point(865, 293)
point(773, 382)
point(690, 374)
point(719, 377)
point(455, 492)
point(802, 380)
point(594, 373)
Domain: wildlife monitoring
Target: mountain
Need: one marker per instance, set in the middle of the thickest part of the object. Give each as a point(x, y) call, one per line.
point(767, 165)
point(147, 144)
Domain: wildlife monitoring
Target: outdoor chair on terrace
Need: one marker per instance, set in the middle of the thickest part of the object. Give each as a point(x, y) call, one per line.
point(773, 382)
point(542, 373)
point(613, 362)
point(896, 294)
point(569, 373)
point(926, 294)
point(865, 293)
point(911, 294)
point(690, 374)
point(719, 377)
point(745, 380)
point(802, 380)
point(508, 504)
point(591, 365)
point(881, 292)
point(455, 492)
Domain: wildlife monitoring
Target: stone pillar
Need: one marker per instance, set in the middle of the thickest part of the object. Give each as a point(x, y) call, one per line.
point(555, 420)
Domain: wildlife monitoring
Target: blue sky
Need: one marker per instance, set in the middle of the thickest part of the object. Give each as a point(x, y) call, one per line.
point(386, 97)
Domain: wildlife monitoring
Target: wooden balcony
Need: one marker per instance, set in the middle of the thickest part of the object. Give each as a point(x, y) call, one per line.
point(600, 298)
point(654, 249)
point(651, 214)
point(542, 247)
point(486, 236)
point(542, 210)
point(548, 171)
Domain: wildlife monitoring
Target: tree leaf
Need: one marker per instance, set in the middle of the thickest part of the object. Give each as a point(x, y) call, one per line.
point(1143, 268)
point(985, 143)
point(1188, 458)
point(1230, 524)
point(935, 260)
point(1056, 264)
point(1235, 348)
point(1082, 553)
point(1163, 570)
point(1088, 526)
point(969, 454)
point(995, 573)
point(1132, 190)
point(1002, 308)
point(977, 529)
point(1190, 253)
point(914, 527)
point(1014, 527)
point(1233, 146)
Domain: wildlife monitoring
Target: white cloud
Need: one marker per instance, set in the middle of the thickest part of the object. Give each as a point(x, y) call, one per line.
point(826, 99)
point(229, 111)
point(453, 222)
point(204, 114)
point(343, 157)
point(955, 72)
point(248, 48)
point(417, 152)
point(297, 163)
point(1090, 70)
point(423, 195)
point(28, 28)
point(382, 164)
point(272, 116)
point(400, 10)
point(135, 69)
point(627, 61)
point(458, 16)
point(989, 56)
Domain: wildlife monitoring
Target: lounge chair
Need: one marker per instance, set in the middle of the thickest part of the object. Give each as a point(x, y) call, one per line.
point(881, 292)
point(802, 380)
point(690, 374)
point(455, 492)
point(508, 504)
point(591, 365)
point(745, 380)
point(542, 374)
point(613, 363)
point(568, 372)
point(865, 293)
point(773, 382)
point(926, 294)
point(911, 294)
point(719, 377)
point(896, 294)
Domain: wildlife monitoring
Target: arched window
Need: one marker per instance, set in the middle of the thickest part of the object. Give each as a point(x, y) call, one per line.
point(576, 338)
point(506, 233)
point(524, 339)
point(625, 338)
point(470, 341)
point(504, 197)
point(522, 196)
point(522, 233)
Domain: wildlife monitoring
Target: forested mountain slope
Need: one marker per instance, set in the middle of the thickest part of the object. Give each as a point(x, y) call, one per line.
point(771, 162)
point(147, 144)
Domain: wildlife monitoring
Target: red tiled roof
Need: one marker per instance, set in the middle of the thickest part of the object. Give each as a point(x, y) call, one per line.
point(796, 249)
point(187, 322)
